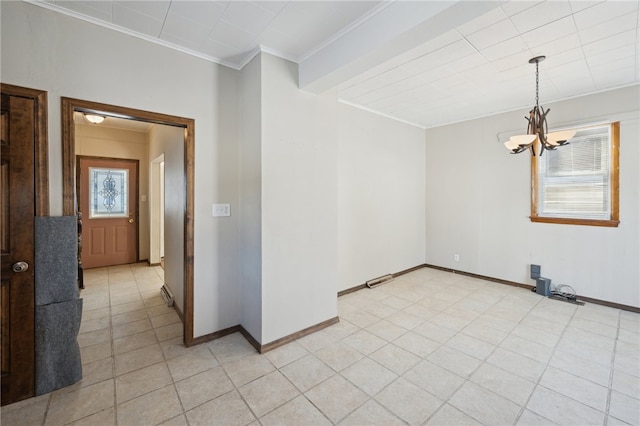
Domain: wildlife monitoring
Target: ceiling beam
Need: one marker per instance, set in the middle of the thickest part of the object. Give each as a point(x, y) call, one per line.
point(397, 28)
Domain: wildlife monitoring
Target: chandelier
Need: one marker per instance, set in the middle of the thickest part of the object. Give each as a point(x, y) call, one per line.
point(537, 139)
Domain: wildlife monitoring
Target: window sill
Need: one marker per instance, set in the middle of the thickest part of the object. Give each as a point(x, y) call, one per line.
point(566, 221)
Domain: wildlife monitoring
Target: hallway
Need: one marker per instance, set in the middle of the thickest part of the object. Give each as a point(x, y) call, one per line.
point(430, 348)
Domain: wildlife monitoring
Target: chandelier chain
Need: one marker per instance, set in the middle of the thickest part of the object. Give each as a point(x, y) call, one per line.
point(536, 84)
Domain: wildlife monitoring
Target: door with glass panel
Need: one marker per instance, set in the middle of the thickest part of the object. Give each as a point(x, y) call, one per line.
point(108, 201)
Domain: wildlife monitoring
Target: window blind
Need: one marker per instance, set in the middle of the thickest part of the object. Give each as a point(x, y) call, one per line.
point(574, 180)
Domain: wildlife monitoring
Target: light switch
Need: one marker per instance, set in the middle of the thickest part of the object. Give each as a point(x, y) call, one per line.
point(221, 210)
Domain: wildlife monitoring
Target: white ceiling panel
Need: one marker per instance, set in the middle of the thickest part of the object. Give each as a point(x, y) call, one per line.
point(156, 9)
point(464, 68)
point(205, 13)
point(540, 15)
point(603, 12)
point(136, 21)
point(496, 33)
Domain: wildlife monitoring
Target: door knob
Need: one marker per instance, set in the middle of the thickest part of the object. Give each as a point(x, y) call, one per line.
point(131, 220)
point(20, 266)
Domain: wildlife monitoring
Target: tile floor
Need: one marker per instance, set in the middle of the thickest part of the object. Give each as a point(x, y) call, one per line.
point(429, 348)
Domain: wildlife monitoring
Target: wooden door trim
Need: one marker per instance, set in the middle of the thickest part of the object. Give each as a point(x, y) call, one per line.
point(41, 143)
point(137, 184)
point(68, 106)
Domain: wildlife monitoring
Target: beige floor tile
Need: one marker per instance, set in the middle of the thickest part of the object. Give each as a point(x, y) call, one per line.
point(528, 348)
point(140, 382)
point(95, 324)
point(228, 410)
point(625, 408)
point(581, 367)
point(409, 402)
point(434, 379)
point(152, 408)
point(134, 341)
point(336, 397)
point(338, 355)
point(286, 354)
point(127, 307)
point(584, 391)
point(28, 412)
point(361, 318)
point(159, 310)
point(386, 330)
point(316, 341)
point(192, 363)
point(230, 347)
point(536, 334)
point(626, 384)
point(168, 332)
point(341, 330)
point(513, 363)
point(180, 420)
point(449, 321)
point(379, 310)
point(416, 344)
point(298, 411)
point(105, 417)
point(203, 387)
point(369, 376)
point(596, 327)
point(128, 317)
point(95, 313)
point(364, 342)
point(307, 372)
point(486, 334)
point(405, 319)
point(70, 406)
point(94, 337)
point(268, 392)
point(97, 352)
point(529, 418)
point(138, 358)
point(125, 299)
point(561, 409)
point(507, 385)
point(372, 414)
point(246, 369)
point(395, 358)
point(483, 405)
point(130, 328)
point(165, 319)
point(434, 332)
point(587, 351)
point(454, 361)
point(92, 373)
point(471, 346)
point(448, 416)
point(628, 364)
point(583, 336)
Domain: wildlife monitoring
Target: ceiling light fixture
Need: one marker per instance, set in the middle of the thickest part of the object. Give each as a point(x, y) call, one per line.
point(537, 135)
point(94, 118)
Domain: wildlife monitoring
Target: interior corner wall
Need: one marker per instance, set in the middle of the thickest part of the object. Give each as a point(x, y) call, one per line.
point(299, 209)
point(169, 141)
point(381, 196)
point(250, 206)
point(100, 141)
point(45, 50)
point(478, 204)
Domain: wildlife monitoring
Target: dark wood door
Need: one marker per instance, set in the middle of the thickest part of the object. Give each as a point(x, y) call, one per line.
point(108, 194)
point(17, 198)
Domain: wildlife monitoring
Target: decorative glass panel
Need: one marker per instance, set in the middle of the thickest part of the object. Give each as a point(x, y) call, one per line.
point(108, 193)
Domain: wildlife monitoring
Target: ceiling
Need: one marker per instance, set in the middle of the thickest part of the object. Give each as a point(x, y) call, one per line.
point(427, 63)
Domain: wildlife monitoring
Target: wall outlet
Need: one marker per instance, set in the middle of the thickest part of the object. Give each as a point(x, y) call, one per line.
point(221, 210)
point(456, 257)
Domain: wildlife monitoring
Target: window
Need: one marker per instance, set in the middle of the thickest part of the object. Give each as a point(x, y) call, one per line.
point(578, 183)
point(108, 193)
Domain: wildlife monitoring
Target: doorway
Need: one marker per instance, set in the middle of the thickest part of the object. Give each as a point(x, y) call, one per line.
point(70, 198)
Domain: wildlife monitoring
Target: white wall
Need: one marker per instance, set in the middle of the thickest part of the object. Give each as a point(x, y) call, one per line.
point(45, 50)
point(381, 196)
point(100, 141)
point(169, 141)
point(299, 208)
point(250, 209)
point(478, 204)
